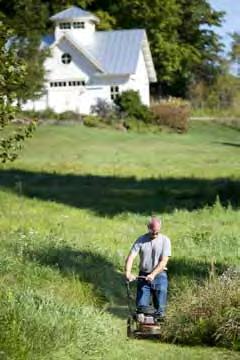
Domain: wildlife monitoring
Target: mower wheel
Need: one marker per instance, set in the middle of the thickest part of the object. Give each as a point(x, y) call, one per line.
point(130, 328)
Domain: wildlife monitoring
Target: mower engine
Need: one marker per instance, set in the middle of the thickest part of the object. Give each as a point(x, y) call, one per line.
point(145, 319)
point(147, 325)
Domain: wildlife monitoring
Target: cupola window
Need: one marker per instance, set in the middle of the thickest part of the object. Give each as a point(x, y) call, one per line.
point(66, 58)
point(79, 25)
point(65, 25)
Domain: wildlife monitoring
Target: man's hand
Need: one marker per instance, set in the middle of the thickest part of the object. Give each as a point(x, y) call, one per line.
point(150, 277)
point(130, 276)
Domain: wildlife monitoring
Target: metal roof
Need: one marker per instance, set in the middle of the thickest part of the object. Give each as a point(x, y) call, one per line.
point(47, 41)
point(116, 52)
point(73, 13)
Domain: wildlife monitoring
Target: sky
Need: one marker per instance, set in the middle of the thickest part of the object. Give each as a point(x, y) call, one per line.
point(231, 21)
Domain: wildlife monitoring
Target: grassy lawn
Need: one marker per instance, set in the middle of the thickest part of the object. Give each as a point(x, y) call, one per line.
point(70, 208)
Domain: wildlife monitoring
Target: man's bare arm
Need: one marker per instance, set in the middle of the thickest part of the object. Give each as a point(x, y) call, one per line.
point(158, 269)
point(128, 266)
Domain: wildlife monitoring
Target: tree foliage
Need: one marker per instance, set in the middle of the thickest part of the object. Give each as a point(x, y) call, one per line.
point(235, 48)
point(12, 73)
point(129, 104)
point(28, 18)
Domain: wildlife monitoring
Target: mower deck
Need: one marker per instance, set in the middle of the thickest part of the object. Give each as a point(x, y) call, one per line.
point(137, 329)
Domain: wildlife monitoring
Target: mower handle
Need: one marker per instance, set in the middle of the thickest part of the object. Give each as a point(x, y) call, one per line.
point(129, 291)
point(136, 278)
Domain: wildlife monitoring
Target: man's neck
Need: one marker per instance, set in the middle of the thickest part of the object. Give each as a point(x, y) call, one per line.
point(153, 238)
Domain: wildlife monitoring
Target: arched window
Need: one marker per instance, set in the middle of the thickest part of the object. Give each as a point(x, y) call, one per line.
point(66, 58)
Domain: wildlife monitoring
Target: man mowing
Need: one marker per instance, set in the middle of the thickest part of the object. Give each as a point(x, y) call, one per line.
point(154, 250)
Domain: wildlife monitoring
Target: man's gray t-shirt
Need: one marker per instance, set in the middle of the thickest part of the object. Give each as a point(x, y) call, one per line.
point(151, 251)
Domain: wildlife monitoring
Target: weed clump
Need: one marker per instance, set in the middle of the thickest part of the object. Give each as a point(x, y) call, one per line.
point(207, 314)
point(173, 113)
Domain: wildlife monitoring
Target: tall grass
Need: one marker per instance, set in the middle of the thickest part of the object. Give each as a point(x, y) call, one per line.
point(33, 326)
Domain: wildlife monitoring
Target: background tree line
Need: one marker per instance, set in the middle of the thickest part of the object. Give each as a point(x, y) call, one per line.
point(186, 50)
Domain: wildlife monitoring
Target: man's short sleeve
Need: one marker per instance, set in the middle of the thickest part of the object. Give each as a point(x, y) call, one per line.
point(166, 247)
point(136, 247)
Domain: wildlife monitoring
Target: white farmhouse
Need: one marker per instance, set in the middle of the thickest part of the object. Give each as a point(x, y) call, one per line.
point(85, 65)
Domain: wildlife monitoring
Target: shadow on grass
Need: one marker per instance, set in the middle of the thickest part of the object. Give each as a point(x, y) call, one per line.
point(109, 284)
point(231, 144)
point(182, 269)
point(87, 266)
point(109, 195)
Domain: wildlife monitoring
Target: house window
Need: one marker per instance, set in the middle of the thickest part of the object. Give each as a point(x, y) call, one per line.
point(65, 25)
point(76, 83)
point(58, 83)
point(114, 92)
point(79, 25)
point(66, 58)
point(67, 83)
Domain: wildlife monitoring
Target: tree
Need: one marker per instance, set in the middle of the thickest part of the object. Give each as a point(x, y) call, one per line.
point(28, 19)
point(196, 29)
point(107, 22)
point(235, 52)
point(55, 6)
point(235, 48)
point(12, 72)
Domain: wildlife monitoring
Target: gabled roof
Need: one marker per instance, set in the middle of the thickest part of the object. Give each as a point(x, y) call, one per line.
point(116, 52)
point(82, 50)
point(74, 13)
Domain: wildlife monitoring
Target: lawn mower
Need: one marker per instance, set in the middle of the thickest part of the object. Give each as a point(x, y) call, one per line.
point(142, 321)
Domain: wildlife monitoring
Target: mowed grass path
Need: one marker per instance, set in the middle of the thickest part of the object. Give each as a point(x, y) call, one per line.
point(77, 198)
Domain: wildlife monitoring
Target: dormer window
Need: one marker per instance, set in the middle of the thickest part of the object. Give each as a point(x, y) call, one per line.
point(66, 58)
point(65, 25)
point(79, 25)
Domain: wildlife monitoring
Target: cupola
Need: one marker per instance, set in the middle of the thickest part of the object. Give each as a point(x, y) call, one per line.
point(75, 21)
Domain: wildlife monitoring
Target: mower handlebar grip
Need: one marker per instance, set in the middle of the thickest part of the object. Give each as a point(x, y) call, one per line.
point(136, 278)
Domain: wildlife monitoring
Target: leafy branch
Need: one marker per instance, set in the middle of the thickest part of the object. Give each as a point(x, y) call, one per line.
point(12, 72)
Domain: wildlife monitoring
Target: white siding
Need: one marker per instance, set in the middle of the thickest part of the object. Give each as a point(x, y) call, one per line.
point(77, 99)
point(139, 81)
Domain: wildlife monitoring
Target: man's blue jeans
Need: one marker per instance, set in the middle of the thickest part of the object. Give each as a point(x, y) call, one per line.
point(157, 289)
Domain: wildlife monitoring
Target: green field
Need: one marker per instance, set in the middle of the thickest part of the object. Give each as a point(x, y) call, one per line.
point(71, 206)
